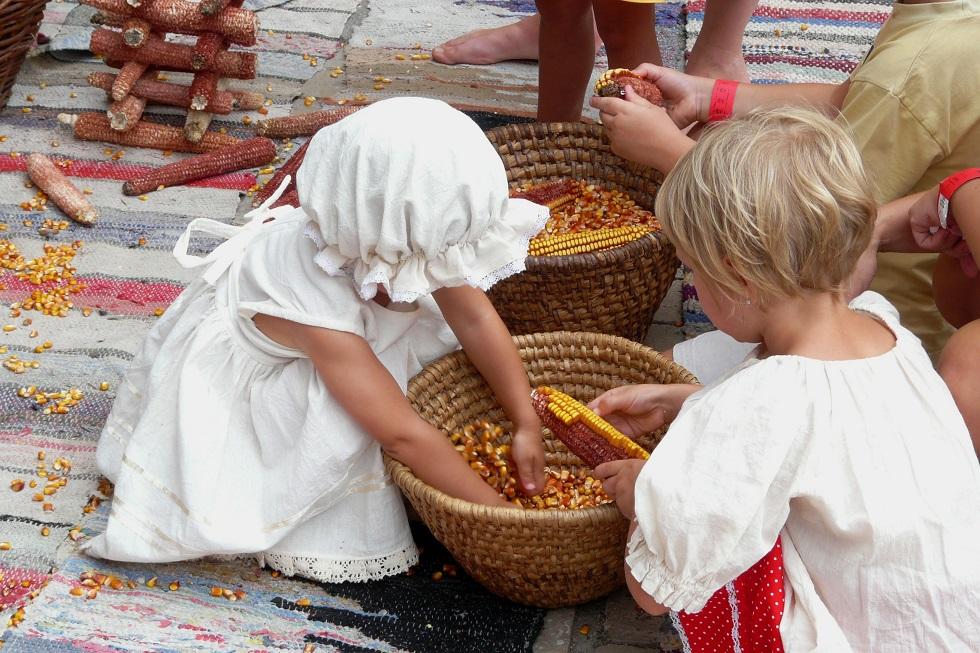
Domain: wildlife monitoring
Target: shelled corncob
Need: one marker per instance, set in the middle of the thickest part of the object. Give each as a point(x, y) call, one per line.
point(45, 174)
point(96, 127)
point(588, 436)
point(181, 17)
point(482, 447)
point(586, 241)
point(177, 95)
point(613, 83)
point(302, 124)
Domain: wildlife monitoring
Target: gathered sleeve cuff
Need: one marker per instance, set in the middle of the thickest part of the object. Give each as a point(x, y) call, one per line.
point(664, 587)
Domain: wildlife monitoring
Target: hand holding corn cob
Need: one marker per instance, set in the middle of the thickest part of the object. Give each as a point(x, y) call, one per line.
point(613, 83)
point(619, 480)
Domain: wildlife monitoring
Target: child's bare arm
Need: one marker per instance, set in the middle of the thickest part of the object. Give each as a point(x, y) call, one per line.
point(489, 345)
point(644, 600)
point(361, 384)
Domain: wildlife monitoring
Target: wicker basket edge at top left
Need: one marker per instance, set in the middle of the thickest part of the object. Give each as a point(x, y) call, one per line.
point(19, 22)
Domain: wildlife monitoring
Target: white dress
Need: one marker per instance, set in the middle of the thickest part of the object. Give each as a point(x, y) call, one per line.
point(223, 442)
point(863, 469)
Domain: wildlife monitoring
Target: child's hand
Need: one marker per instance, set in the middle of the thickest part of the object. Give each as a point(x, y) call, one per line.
point(930, 236)
point(641, 131)
point(527, 450)
point(686, 97)
point(619, 480)
point(639, 409)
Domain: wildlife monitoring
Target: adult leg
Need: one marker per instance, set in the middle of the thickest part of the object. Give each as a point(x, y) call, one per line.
point(566, 58)
point(628, 31)
point(959, 366)
point(516, 41)
point(718, 50)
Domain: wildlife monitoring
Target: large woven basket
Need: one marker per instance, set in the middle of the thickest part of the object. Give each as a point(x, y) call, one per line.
point(616, 291)
point(19, 20)
point(545, 558)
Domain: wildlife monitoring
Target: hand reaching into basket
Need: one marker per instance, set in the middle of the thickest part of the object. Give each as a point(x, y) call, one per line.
point(640, 409)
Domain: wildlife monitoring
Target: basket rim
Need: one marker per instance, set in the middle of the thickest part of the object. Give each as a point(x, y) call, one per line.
point(409, 483)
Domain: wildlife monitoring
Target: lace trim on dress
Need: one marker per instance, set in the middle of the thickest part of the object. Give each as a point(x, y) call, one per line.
point(331, 570)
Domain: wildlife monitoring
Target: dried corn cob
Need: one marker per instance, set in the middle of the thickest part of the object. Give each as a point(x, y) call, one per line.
point(125, 113)
point(203, 88)
point(290, 167)
point(289, 198)
point(196, 125)
point(247, 100)
point(613, 83)
point(586, 241)
point(553, 194)
point(245, 154)
point(172, 56)
point(586, 435)
point(108, 19)
point(135, 31)
point(179, 16)
point(578, 206)
point(95, 127)
point(62, 192)
point(130, 72)
point(206, 50)
point(174, 95)
point(303, 124)
point(211, 7)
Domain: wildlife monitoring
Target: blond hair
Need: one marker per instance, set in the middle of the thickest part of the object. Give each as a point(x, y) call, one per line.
point(778, 198)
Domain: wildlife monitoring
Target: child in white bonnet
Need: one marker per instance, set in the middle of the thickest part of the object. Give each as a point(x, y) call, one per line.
point(253, 420)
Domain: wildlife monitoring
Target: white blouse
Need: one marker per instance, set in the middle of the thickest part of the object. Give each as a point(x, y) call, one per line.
point(865, 471)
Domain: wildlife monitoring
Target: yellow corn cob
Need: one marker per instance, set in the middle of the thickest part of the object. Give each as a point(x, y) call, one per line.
point(95, 127)
point(587, 435)
point(586, 241)
point(62, 192)
point(246, 154)
point(239, 26)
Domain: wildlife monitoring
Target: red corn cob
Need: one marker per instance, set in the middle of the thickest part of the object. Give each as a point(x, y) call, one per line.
point(245, 154)
point(108, 19)
point(612, 83)
point(290, 197)
point(174, 95)
point(553, 194)
point(179, 16)
point(125, 113)
point(211, 7)
point(196, 125)
point(247, 100)
point(290, 167)
point(46, 176)
point(206, 50)
point(95, 127)
point(588, 436)
point(172, 56)
point(130, 72)
point(203, 88)
point(301, 124)
point(135, 32)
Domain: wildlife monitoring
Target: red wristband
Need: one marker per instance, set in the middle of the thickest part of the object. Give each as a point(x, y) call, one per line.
point(948, 186)
point(722, 102)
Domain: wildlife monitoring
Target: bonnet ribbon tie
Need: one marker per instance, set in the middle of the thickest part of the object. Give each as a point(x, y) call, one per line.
point(236, 239)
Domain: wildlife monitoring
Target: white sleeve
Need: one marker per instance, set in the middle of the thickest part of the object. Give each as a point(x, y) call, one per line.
point(711, 355)
point(714, 495)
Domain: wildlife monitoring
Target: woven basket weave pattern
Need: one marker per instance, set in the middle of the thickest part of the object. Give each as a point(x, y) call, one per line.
point(546, 558)
point(19, 20)
point(615, 291)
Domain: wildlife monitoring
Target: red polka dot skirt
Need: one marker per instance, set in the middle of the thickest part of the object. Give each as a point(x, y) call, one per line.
point(741, 617)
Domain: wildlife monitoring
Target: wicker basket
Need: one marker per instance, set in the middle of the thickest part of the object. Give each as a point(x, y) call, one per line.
point(616, 291)
point(19, 20)
point(545, 558)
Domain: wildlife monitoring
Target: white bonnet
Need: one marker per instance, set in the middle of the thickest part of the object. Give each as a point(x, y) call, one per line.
point(409, 193)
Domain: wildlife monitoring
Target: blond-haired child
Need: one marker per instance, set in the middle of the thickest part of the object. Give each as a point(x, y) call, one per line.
point(254, 418)
point(835, 437)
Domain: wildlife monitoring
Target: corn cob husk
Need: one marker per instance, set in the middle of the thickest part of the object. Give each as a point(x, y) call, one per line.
point(174, 95)
point(586, 241)
point(301, 124)
point(95, 127)
point(46, 176)
point(588, 436)
point(245, 154)
point(206, 50)
point(135, 31)
point(171, 56)
point(239, 26)
point(612, 83)
point(290, 167)
point(125, 113)
point(128, 75)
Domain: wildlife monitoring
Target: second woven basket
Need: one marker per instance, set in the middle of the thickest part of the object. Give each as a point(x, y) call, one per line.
point(615, 291)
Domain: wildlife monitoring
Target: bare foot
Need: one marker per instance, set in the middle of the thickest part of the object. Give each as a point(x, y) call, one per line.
point(513, 42)
point(717, 65)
